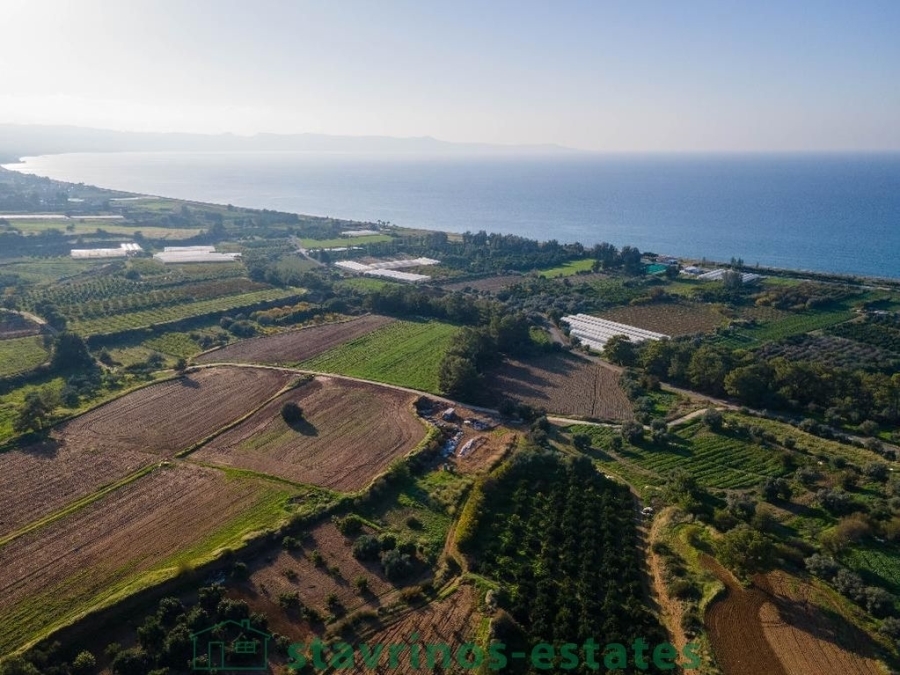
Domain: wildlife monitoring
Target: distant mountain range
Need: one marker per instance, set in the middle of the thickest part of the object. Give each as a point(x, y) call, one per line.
point(20, 140)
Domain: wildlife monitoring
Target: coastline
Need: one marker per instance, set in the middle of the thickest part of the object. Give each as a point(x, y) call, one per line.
point(693, 256)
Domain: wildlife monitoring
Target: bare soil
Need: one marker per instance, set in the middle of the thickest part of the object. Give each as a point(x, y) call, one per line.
point(450, 622)
point(274, 574)
point(783, 626)
point(351, 431)
point(57, 571)
point(564, 384)
point(670, 319)
point(295, 346)
point(171, 416)
point(13, 325)
point(43, 478)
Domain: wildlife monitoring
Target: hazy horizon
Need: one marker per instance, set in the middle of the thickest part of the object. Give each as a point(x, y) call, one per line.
point(638, 78)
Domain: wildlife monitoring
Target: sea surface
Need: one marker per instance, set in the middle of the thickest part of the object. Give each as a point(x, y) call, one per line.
point(824, 212)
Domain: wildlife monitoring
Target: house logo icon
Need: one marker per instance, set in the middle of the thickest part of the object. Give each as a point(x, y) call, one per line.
point(230, 646)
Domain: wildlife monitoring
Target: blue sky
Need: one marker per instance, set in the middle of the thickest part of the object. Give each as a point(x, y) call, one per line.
point(695, 75)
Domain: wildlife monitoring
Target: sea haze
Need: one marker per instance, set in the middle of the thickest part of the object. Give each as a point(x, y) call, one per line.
point(832, 213)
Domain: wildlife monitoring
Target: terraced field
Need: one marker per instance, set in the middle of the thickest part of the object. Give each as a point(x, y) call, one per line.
point(168, 417)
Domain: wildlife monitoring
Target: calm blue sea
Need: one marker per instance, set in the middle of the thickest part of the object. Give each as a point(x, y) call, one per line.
point(836, 213)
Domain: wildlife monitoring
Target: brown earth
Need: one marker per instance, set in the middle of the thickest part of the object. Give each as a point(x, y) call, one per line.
point(351, 432)
point(295, 346)
point(336, 574)
point(778, 627)
point(48, 476)
point(171, 416)
point(450, 622)
point(564, 384)
point(668, 319)
point(806, 640)
point(52, 573)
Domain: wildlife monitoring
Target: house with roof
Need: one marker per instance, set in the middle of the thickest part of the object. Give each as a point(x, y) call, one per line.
point(230, 645)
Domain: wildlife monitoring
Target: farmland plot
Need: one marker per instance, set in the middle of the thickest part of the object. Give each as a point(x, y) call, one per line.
point(295, 346)
point(669, 319)
point(351, 431)
point(564, 384)
point(21, 354)
point(135, 535)
point(171, 416)
point(406, 353)
point(314, 583)
point(14, 325)
point(49, 476)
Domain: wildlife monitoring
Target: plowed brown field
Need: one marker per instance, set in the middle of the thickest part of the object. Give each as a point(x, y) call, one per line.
point(54, 573)
point(314, 584)
point(295, 346)
point(668, 319)
point(450, 622)
point(775, 628)
point(564, 384)
point(44, 478)
point(351, 432)
point(168, 417)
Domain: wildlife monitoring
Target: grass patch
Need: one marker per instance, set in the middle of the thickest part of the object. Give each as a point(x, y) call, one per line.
point(344, 241)
point(568, 269)
point(20, 354)
point(405, 353)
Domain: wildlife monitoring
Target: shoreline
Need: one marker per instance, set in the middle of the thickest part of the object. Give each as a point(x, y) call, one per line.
point(697, 259)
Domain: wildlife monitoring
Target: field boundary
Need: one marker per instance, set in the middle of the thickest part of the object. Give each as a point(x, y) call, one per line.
point(78, 504)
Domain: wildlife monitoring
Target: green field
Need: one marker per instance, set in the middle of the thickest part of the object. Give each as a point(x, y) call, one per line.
point(21, 354)
point(569, 268)
point(344, 241)
point(716, 460)
point(794, 324)
point(122, 322)
point(51, 269)
point(877, 565)
point(89, 227)
point(405, 353)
